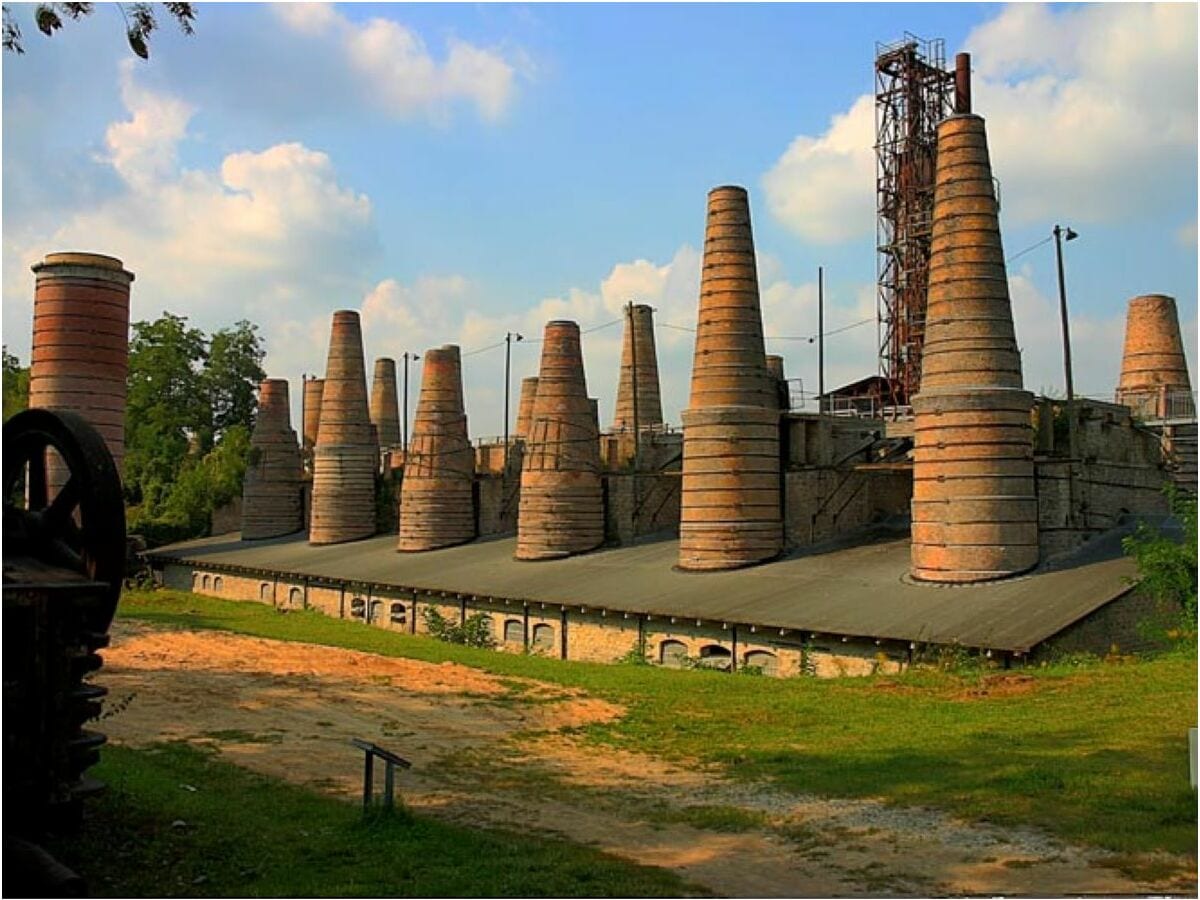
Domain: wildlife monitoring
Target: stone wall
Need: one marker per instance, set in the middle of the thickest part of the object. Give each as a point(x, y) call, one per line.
point(823, 503)
point(654, 509)
point(558, 632)
point(496, 503)
point(1120, 474)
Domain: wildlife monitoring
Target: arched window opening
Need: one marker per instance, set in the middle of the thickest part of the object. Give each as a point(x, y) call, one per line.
point(264, 591)
point(296, 597)
point(218, 583)
point(672, 653)
point(358, 608)
point(543, 637)
point(399, 615)
point(514, 632)
point(761, 659)
point(714, 656)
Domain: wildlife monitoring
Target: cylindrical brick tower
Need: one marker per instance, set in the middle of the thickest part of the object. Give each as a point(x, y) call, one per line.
point(730, 506)
point(436, 502)
point(313, 389)
point(80, 353)
point(561, 510)
point(525, 409)
point(639, 344)
point(271, 492)
point(974, 508)
point(775, 367)
point(594, 405)
point(1154, 376)
point(385, 403)
point(346, 456)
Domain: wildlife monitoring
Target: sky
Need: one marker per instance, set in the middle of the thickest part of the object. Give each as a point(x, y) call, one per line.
point(458, 171)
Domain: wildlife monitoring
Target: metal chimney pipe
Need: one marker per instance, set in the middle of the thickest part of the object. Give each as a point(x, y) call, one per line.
point(962, 83)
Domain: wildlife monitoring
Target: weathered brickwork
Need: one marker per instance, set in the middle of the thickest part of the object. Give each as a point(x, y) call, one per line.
point(1133, 623)
point(593, 637)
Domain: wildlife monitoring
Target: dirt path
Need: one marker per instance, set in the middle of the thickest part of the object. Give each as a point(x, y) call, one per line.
point(487, 750)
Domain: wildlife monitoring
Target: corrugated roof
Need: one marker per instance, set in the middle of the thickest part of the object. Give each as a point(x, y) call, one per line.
point(860, 591)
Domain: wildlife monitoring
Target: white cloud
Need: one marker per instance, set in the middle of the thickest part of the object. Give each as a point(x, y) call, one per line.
point(395, 69)
point(1096, 343)
point(1091, 113)
point(271, 235)
point(822, 188)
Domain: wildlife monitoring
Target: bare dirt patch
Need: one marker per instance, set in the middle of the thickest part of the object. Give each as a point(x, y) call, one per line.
point(490, 750)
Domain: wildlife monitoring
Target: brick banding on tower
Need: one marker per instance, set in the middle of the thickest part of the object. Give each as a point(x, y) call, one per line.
point(562, 507)
point(385, 403)
point(80, 352)
point(345, 457)
point(638, 342)
point(730, 506)
point(271, 505)
point(525, 408)
point(1154, 377)
point(974, 507)
point(436, 498)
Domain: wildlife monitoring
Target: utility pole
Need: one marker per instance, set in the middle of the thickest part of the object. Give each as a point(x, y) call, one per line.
point(1061, 234)
point(407, 356)
point(820, 339)
point(509, 337)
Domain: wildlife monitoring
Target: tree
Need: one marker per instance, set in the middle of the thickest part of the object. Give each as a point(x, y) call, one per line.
point(139, 22)
point(231, 377)
point(189, 414)
point(166, 405)
point(16, 385)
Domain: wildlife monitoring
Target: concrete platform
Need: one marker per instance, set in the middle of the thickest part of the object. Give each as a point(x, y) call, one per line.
point(858, 591)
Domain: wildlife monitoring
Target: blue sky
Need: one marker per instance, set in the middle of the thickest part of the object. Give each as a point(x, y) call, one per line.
point(455, 171)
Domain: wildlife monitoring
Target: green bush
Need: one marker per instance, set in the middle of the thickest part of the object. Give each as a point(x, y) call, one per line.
point(1167, 567)
point(475, 631)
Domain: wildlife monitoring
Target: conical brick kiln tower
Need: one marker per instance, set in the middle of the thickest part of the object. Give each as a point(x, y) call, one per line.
point(80, 348)
point(385, 403)
point(346, 456)
point(525, 408)
point(313, 389)
point(974, 508)
point(561, 510)
point(1154, 376)
point(730, 507)
point(271, 492)
point(436, 502)
point(638, 381)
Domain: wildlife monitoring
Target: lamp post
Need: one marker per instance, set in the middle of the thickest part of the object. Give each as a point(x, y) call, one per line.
point(407, 357)
point(1060, 235)
point(509, 337)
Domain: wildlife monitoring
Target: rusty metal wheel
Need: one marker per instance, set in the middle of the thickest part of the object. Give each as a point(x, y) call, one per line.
point(82, 526)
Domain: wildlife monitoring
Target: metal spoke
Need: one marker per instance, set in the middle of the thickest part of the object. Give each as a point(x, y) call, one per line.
point(64, 504)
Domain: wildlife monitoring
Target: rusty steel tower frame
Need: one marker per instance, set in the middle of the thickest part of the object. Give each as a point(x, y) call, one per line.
point(913, 92)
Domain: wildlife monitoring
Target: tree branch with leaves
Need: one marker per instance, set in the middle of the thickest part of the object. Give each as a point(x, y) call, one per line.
point(140, 22)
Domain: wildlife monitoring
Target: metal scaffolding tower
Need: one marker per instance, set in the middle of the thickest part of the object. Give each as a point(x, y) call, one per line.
point(913, 92)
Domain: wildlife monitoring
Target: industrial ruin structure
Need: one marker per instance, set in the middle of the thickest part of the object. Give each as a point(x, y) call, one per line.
point(730, 501)
point(271, 493)
point(525, 407)
point(561, 507)
point(436, 502)
point(913, 93)
point(346, 452)
point(80, 356)
point(639, 404)
point(941, 468)
point(974, 508)
point(385, 406)
point(1154, 377)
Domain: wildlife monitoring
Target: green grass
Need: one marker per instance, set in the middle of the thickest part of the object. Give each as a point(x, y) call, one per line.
point(164, 828)
point(1094, 753)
